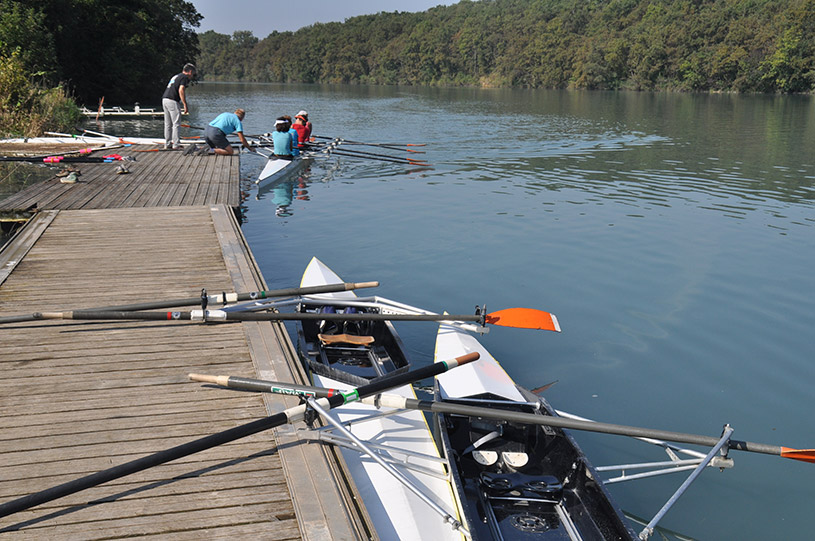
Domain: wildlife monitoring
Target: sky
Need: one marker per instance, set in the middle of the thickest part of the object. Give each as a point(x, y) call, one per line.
point(263, 17)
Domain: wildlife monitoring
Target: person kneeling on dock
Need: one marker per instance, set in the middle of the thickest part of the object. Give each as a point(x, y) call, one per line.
point(223, 125)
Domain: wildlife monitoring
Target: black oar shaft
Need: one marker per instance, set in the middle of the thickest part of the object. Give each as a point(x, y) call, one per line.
point(264, 386)
point(368, 155)
point(288, 416)
point(350, 142)
point(219, 315)
point(140, 464)
point(215, 299)
point(60, 159)
point(592, 426)
point(494, 413)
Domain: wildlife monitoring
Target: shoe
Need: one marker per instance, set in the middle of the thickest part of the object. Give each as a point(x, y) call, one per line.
point(203, 151)
point(68, 170)
point(70, 179)
point(190, 149)
point(122, 170)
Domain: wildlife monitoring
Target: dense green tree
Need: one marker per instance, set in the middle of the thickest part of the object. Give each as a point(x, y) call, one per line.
point(124, 50)
point(695, 45)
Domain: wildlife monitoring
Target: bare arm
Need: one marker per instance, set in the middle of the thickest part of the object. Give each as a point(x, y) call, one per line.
point(182, 93)
point(244, 142)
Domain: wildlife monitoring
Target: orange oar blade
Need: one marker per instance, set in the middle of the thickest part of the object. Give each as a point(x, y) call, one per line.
point(524, 318)
point(804, 455)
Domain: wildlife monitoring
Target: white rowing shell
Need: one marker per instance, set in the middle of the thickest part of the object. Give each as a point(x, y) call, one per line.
point(396, 512)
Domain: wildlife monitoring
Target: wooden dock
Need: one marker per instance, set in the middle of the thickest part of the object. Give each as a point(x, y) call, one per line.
point(80, 397)
point(155, 179)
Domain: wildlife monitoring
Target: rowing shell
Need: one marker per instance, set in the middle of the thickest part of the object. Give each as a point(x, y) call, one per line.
point(396, 512)
point(516, 480)
point(277, 168)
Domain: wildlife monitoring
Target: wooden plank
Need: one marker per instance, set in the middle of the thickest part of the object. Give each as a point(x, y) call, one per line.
point(67, 401)
point(324, 510)
point(81, 383)
point(155, 179)
point(22, 242)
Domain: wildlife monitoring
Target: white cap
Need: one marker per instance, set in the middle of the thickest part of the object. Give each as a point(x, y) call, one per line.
point(302, 113)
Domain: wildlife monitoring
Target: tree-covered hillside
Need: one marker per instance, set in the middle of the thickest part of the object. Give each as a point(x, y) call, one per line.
point(700, 45)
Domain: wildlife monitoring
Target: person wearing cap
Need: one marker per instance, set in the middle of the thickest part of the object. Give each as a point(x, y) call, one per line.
point(303, 126)
point(282, 139)
point(174, 97)
point(223, 125)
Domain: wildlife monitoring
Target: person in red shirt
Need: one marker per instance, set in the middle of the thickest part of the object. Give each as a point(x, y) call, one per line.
point(303, 127)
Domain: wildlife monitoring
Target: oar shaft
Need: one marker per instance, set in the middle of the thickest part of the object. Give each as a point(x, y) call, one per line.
point(222, 298)
point(288, 416)
point(220, 315)
point(380, 157)
point(263, 386)
point(396, 401)
point(590, 426)
point(371, 144)
point(140, 464)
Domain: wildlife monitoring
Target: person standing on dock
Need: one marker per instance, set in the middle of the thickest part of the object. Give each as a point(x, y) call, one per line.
point(223, 125)
point(175, 96)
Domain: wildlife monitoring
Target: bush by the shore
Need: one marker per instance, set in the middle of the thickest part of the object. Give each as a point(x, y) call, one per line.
point(29, 108)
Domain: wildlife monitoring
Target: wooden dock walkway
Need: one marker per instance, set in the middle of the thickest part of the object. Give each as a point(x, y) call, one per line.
point(80, 397)
point(155, 179)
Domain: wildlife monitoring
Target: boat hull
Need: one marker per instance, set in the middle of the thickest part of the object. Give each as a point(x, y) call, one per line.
point(277, 169)
point(405, 437)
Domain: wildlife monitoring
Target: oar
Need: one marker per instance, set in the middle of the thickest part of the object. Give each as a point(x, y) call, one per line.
point(83, 152)
point(400, 402)
point(193, 127)
point(290, 415)
point(379, 157)
point(223, 298)
point(521, 318)
point(372, 144)
point(384, 145)
point(107, 136)
point(57, 159)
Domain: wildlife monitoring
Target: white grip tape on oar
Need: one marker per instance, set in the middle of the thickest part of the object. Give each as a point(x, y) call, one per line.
point(219, 299)
point(207, 315)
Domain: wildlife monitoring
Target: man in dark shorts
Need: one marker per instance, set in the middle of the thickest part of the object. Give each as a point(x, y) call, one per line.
point(175, 96)
point(223, 125)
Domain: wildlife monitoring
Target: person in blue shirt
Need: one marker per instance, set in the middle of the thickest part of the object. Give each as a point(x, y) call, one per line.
point(282, 140)
point(223, 125)
point(295, 137)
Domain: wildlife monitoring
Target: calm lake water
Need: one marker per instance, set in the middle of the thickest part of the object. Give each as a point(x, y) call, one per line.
point(673, 235)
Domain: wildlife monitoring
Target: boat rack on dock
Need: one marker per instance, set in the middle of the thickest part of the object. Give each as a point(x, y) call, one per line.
point(119, 112)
